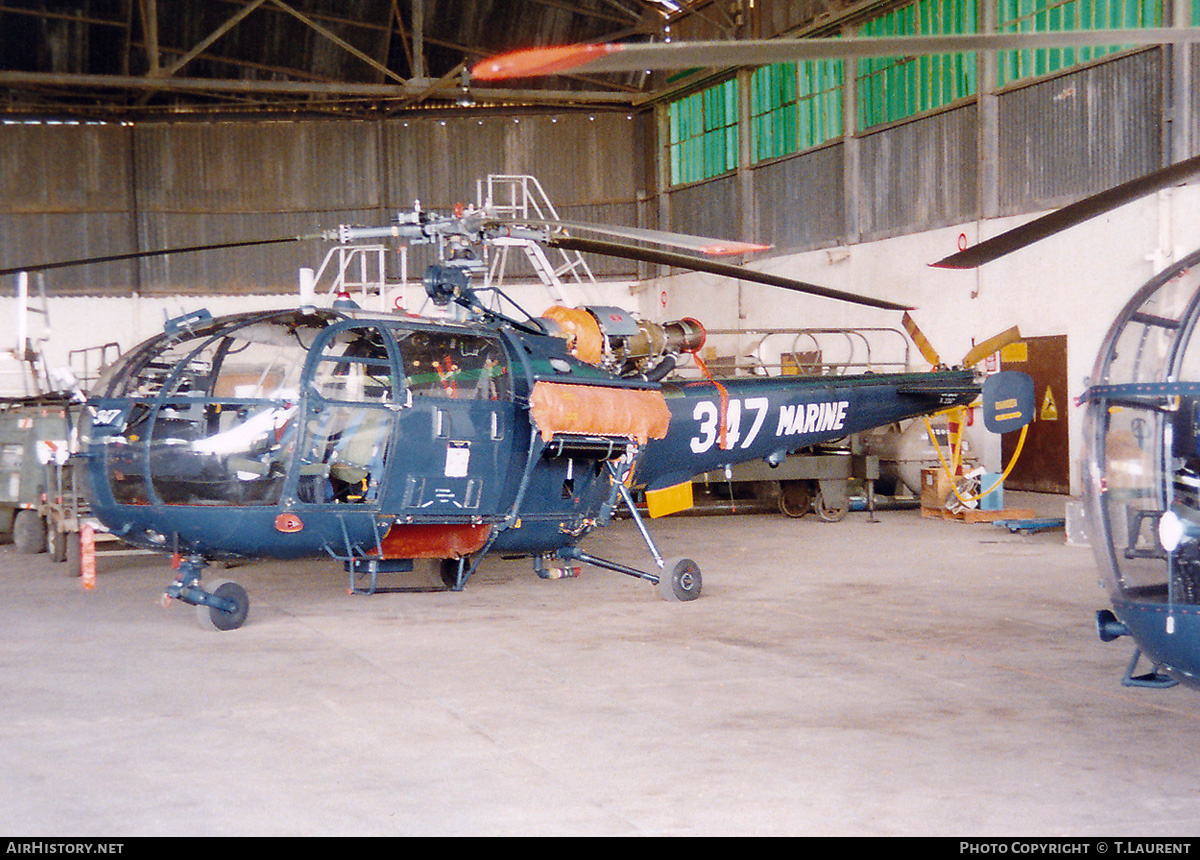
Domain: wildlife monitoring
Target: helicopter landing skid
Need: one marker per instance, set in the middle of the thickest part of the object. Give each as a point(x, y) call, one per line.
point(224, 606)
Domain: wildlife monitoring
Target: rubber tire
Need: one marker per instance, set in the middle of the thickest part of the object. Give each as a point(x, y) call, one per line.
point(29, 532)
point(827, 514)
point(211, 618)
point(795, 498)
point(680, 580)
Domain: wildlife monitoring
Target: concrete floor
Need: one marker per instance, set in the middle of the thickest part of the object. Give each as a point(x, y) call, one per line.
point(901, 677)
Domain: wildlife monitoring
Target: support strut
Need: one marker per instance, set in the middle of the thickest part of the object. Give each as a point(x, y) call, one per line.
point(1153, 679)
point(619, 482)
point(575, 553)
point(677, 579)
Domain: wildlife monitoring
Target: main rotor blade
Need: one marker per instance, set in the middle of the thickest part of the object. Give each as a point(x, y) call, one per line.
point(1068, 216)
point(137, 255)
point(704, 244)
point(637, 56)
point(682, 261)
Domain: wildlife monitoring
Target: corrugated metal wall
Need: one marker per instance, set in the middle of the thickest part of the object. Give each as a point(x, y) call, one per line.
point(1194, 96)
point(70, 191)
point(709, 208)
point(204, 183)
point(800, 200)
point(76, 190)
point(919, 175)
point(65, 192)
point(1058, 140)
point(1079, 133)
point(587, 163)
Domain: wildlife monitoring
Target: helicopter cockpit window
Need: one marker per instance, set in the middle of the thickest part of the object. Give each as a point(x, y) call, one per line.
point(344, 455)
point(148, 377)
point(355, 367)
point(217, 416)
point(454, 365)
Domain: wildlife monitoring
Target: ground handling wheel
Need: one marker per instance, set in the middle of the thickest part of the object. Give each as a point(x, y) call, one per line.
point(795, 498)
point(216, 618)
point(679, 580)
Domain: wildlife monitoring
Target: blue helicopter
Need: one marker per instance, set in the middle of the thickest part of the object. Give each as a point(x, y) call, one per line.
point(1142, 430)
point(378, 439)
point(1141, 467)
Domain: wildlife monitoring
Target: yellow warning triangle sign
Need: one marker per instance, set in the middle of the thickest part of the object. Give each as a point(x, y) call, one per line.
point(1049, 409)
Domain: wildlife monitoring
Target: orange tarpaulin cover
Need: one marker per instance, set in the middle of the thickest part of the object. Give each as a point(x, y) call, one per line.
point(596, 410)
point(433, 540)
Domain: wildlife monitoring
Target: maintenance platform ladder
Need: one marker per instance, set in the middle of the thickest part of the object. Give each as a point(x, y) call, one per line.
point(361, 272)
point(522, 198)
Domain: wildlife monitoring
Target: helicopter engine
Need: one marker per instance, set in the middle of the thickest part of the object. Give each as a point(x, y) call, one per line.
point(614, 339)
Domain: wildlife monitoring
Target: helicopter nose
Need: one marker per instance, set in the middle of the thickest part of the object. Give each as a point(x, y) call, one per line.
point(1109, 627)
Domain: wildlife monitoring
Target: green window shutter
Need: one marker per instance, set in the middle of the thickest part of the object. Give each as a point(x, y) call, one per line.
point(795, 106)
point(1051, 16)
point(704, 133)
point(893, 88)
point(773, 111)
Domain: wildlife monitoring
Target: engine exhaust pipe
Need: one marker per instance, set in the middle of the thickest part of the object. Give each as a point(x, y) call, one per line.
point(1109, 627)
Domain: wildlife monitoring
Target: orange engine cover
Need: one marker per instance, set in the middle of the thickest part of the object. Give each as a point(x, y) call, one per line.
point(629, 413)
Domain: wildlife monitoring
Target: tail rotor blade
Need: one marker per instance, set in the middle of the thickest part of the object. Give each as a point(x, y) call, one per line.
point(922, 343)
point(993, 344)
point(977, 353)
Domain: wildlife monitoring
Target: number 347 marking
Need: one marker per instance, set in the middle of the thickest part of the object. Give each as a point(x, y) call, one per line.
point(708, 413)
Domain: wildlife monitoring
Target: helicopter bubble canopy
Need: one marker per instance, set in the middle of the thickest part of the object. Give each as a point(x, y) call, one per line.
point(212, 410)
point(1142, 468)
point(246, 413)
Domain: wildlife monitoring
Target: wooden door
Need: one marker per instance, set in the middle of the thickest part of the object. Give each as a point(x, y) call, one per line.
point(1044, 465)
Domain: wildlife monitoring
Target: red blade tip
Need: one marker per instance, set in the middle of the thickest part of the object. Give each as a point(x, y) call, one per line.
point(540, 61)
point(721, 249)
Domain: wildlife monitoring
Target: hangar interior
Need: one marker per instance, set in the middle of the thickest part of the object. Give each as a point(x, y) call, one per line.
point(127, 129)
point(133, 125)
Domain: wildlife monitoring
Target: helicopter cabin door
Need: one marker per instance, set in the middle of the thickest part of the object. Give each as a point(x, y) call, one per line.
point(458, 458)
point(354, 396)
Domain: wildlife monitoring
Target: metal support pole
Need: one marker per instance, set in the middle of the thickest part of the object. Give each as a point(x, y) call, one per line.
point(580, 555)
point(633, 512)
